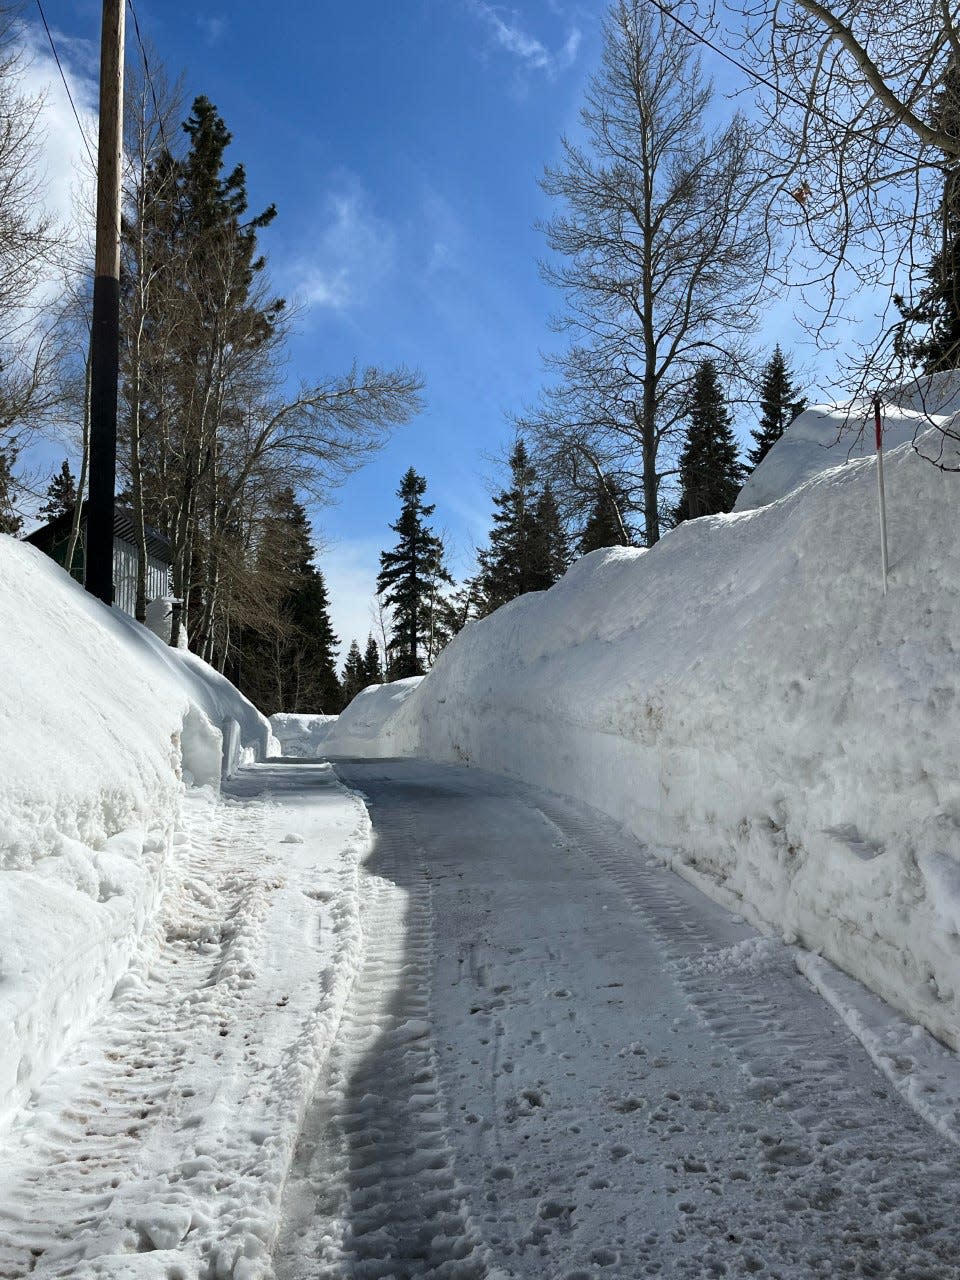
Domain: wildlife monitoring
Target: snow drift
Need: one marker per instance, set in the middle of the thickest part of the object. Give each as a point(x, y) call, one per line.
point(100, 723)
point(744, 699)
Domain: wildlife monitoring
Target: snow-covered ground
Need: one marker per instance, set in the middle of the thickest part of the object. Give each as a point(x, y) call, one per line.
point(100, 725)
point(159, 1145)
point(745, 700)
point(562, 1061)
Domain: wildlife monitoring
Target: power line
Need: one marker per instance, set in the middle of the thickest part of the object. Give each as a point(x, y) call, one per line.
point(149, 74)
point(56, 58)
point(755, 75)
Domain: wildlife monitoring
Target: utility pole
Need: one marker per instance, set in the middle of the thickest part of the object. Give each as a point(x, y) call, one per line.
point(105, 332)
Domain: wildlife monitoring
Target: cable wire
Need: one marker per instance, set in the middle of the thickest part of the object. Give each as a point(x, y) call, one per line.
point(768, 84)
point(149, 74)
point(56, 58)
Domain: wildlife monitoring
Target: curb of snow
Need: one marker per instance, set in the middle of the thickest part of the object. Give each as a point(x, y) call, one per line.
point(923, 1071)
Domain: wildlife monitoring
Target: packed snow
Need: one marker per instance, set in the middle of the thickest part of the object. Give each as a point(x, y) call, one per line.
point(747, 702)
point(173, 961)
point(560, 1060)
point(160, 1143)
point(100, 725)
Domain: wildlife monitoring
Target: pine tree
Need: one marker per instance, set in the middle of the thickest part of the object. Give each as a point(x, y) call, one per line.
point(201, 329)
point(780, 402)
point(289, 655)
point(937, 310)
point(606, 520)
point(409, 579)
point(372, 668)
point(61, 494)
point(314, 684)
point(710, 471)
point(442, 620)
point(354, 673)
point(549, 551)
point(507, 565)
point(10, 521)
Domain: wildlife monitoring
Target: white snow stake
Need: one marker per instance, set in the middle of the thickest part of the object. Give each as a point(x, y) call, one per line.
point(878, 426)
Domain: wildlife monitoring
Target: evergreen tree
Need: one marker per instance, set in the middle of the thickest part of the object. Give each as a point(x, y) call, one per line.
point(442, 619)
point(463, 604)
point(549, 553)
point(780, 402)
point(507, 566)
point(937, 310)
point(710, 471)
point(200, 328)
point(314, 682)
point(410, 578)
point(61, 494)
point(372, 669)
point(10, 521)
point(290, 654)
point(603, 527)
point(354, 673)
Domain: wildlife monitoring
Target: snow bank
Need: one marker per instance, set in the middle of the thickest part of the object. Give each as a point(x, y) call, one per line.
point(245, 733)
point(365, 727)
point(745, 699)
point(826, 436)
point(99, 722)
point(302, 736)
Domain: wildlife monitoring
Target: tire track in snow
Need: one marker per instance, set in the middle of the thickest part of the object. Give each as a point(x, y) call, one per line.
point(97, 1123)
point(892, 1203)
point(373, 1194)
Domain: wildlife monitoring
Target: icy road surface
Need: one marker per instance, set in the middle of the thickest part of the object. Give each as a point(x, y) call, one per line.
point(561, 1062)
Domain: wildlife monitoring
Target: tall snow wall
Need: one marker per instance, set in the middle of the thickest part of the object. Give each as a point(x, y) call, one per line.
point(100, 724)
point(745, 699)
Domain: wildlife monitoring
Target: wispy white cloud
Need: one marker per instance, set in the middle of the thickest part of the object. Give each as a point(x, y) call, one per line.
point(63, 170)
point(444, 232)
point(507, 31)
point(353, 251)
point(212, 26)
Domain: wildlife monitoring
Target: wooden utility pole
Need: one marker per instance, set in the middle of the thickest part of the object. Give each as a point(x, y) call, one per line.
point(105, 333)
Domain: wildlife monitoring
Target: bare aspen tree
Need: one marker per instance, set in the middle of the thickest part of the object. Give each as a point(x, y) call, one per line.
point(150, 110)
point(581, 436)
point(659, 247)
point(858, 156)
point(32, 256)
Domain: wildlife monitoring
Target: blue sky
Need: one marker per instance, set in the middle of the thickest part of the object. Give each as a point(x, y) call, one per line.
point(402, 141)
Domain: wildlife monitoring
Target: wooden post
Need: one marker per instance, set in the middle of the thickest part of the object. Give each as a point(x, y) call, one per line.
point(105, 332)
